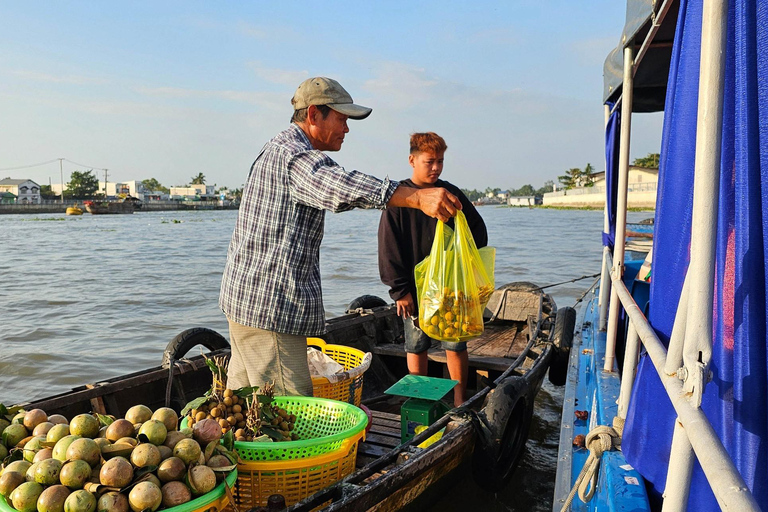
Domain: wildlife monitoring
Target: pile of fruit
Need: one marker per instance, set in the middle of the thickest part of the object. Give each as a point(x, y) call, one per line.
point(248, 413)
point(452, 315)
point(97, 462)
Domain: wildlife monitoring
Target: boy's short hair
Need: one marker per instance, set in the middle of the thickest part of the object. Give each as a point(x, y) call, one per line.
point(429, 141)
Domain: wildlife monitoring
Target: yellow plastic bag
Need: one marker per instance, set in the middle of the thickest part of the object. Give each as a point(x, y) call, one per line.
point(454, 284)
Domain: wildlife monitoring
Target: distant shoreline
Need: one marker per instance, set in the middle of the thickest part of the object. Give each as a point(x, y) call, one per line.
point(550, 207)
point(37, 209)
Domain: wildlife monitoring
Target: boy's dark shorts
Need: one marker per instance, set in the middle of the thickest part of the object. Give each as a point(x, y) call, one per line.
point(416, 341)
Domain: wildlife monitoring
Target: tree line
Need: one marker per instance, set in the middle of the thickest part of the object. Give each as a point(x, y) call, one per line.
point(573, 177)
point(85, 185)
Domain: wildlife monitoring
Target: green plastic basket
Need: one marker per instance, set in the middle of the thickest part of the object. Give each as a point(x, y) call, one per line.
point(321, 424)
point(217, 499)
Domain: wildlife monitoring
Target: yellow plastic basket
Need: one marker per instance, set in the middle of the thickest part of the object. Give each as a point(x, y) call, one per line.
point(345, 387)
point(294, 479)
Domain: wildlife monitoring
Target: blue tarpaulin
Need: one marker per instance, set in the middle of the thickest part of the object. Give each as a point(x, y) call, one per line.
point(736, 400)
point(612, 139)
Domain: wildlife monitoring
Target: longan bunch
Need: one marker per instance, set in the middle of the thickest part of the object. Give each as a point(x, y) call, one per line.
point(458, 316)
point(229, 411)
point(280, 420)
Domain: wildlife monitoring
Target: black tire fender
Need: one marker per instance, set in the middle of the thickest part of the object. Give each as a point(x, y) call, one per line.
point(186, 340)
point(562, 339)
point(504, 421)
point(365, 302)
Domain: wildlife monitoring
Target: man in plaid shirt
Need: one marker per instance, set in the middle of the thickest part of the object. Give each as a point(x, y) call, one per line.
point(270, 290)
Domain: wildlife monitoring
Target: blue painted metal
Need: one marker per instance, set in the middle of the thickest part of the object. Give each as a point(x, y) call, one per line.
point(589, 388)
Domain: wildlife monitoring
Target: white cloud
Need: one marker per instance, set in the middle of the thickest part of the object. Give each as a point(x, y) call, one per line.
point(263, 99)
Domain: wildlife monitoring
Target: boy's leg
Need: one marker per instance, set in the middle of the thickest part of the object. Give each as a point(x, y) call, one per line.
point(416, 345)
point(457, 359)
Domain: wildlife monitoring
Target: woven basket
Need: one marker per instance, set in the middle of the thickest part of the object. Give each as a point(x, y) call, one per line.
point(346, 386)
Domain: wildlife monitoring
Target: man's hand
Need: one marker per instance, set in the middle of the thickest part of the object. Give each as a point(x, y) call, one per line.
point(436, 201)
point(405, 306)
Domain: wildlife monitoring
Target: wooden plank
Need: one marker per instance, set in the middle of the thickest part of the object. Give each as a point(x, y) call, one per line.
point(385, 415)
point(386, 423)
point(372, 450)
point(382, 440)
point(437, 355)
point(385, 431)
point(498, 343)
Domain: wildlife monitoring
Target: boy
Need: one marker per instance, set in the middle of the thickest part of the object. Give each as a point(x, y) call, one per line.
point(405, 239)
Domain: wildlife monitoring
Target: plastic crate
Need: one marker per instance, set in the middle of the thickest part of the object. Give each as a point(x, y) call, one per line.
point(294, 479)
point(215, 501)
point(346, 386)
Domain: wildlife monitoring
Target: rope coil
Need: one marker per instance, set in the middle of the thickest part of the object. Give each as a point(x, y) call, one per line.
point(600, 440)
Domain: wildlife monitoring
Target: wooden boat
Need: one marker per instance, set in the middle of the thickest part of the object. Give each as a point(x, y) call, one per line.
point(107, 207)
point(525, 337)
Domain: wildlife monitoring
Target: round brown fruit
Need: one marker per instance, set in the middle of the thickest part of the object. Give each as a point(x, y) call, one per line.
point(80, 501)
point(116, 472)
point(175, 493)
point(84, 425)
point(33, 418)
point(113, 502)
point(145, 454)
point(138, 414)
point(168, 416)
point(75, 474)
point(119, 428)
point(171, 469)
point(52, 499)
point(145, 496)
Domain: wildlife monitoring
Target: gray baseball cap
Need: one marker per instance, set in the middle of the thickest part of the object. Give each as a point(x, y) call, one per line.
point(326, 91)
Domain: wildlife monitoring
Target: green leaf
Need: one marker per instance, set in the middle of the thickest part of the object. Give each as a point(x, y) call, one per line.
point(104, 420)
point(264, 399)
point(194, 404)
point(246, 392)
point(228, 440)
point(272, 432)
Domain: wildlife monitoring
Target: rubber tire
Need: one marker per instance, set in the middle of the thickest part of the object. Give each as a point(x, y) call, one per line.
point(507, 415)
point(562, 338)
point(365, 302)
point(186, 340)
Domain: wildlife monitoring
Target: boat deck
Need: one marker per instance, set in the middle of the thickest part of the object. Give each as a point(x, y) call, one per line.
point(380, 439)
point(493, 350)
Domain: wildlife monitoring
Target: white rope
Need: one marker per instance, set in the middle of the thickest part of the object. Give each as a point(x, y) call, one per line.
point(601, 439)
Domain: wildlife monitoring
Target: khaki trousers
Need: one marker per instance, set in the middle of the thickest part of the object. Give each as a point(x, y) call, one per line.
point(260, 356)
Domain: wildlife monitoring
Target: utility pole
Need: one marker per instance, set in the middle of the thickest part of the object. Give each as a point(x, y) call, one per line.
point(61, 170)
point(105, 183)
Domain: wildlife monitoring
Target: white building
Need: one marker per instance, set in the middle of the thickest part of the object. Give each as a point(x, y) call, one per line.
point(193, 191)
point(521, 201)
point(26, 191)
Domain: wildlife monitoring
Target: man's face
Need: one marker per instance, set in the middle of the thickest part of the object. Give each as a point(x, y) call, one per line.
point(329, 132)
point(427, 167)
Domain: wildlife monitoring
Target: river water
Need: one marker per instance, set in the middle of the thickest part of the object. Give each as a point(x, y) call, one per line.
point(87, 298)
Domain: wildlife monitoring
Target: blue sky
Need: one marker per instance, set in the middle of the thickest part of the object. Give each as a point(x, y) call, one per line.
point(170, 89)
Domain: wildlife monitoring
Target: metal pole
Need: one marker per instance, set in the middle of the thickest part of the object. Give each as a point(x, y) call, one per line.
point(631, 355)
point(706, 189)
point(677, 338)
point(621, 207)
point(61, 171)
point(605, 278)
point(679, 471)
point(723, 477)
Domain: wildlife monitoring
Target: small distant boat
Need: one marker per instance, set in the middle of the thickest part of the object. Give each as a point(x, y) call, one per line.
point(74, 210)
point(105, 207)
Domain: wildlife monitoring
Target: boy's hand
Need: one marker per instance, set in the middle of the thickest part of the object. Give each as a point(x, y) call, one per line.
point(405, 306)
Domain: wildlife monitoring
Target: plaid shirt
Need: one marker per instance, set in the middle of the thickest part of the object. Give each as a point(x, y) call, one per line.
point(272, 277)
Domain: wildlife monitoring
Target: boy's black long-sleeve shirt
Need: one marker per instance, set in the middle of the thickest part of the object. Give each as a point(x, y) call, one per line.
point(406, 236)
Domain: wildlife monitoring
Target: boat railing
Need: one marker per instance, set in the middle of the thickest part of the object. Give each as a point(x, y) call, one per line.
point(692, 425)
